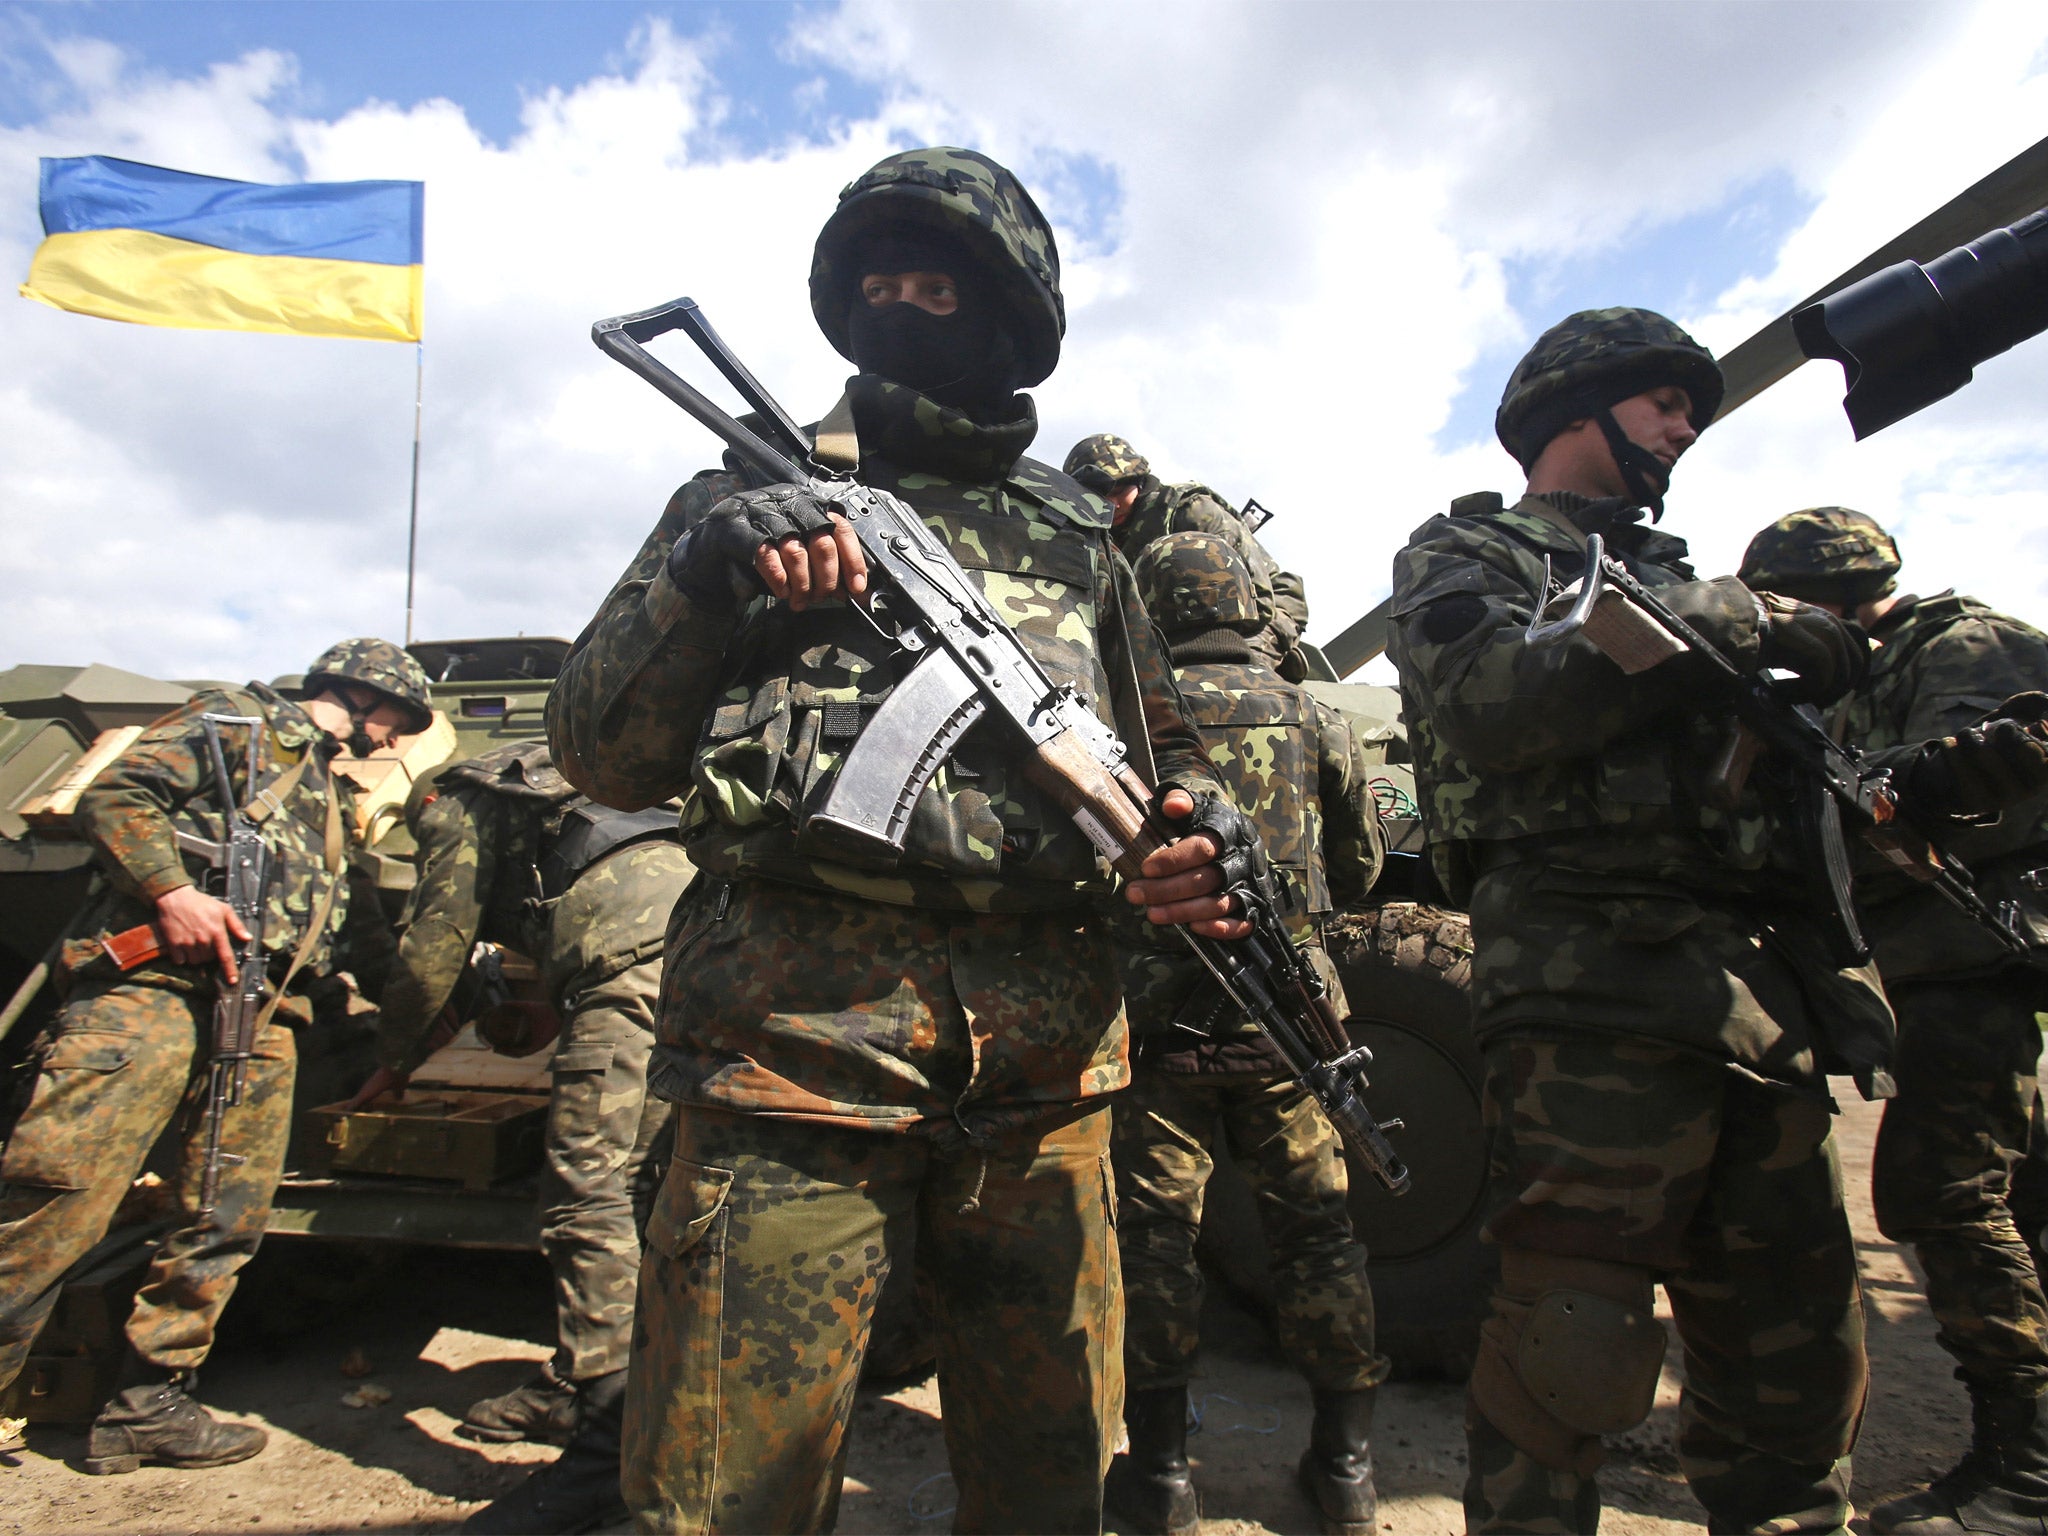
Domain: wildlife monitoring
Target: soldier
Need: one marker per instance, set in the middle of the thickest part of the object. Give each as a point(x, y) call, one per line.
point(1201, 1070)
point(860, 1040)
point(1142, 509)
point(1968, 1037)
point(1656, 1016)
point(510, 853)
point(127, 1053)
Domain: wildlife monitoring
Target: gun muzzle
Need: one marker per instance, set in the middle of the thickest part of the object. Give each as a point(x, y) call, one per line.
point(1910, 335)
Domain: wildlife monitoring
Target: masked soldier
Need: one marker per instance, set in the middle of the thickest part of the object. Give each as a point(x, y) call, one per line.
point(857, 1039)
point(1655, 1012)
point(129, 1052)
point(1968, 1037)
point(1143, 509)
point(511, 854)
point(1202, 1070)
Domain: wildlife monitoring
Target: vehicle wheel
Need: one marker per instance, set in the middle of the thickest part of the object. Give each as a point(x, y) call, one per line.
point(1407, 974)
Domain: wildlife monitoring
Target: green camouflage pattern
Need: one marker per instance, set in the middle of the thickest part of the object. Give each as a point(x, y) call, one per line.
point(118, 1070)
point(766, 1251)
point(1939, 664)
point(755, 709)
point(1942, 1178)
point(782, 1000)
point(1163, 1147)
point(1167, 509)
point(1195, 581)
point(1100, 461)
point(969, 196)
point(163, 784)
point(1825, 553)
point(1625, 351)
point(1726, 1190)
point(380, 665)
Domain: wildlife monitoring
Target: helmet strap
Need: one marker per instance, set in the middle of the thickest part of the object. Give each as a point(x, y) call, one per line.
point(1642, 471)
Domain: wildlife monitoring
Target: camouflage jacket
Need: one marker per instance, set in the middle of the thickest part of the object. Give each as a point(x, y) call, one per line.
point(1283, 601)
point(754, 709)
point(1296, 770)
point(1564, 803)
point(1941, 663)
point(484, 829)
point(163, 785)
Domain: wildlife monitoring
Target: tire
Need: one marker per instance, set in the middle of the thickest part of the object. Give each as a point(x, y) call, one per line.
point(1407, 975)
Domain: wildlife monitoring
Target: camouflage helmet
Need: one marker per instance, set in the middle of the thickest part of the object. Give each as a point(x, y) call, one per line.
point(1595, 359)
point(1100, 461)
point(1196, 581)
point(381, 665)
point(1829, 553)
point(968, 197)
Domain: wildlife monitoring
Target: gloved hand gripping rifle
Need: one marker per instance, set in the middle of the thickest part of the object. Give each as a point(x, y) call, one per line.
point(243, 867)
point(1834, 788)
point(972, 664)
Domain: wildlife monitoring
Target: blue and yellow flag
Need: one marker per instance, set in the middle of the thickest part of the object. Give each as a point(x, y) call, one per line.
point(134, 242)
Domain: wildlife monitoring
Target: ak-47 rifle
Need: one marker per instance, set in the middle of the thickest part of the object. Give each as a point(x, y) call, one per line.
point(972, 664)
point(1834, 786)
point(243, 867)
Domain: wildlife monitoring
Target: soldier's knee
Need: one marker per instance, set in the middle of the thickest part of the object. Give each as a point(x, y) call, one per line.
point(1571, 1352)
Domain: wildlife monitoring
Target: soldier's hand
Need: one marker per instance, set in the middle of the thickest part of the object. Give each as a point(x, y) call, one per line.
point(1828, 656)
point(1184, 882)
point(1998, 762)
point(380, 1082)
point(779, 539)
point(198, 929)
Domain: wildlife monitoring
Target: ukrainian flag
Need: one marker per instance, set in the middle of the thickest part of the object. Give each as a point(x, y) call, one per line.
point(135, 242)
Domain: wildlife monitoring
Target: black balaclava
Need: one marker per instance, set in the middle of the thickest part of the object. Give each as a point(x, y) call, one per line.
point(966, 359)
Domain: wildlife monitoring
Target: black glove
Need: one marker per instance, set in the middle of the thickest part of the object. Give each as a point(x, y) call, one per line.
point(1829, 656)
point(1725, 614)
point(1243, 856)
point(714, 562)
point(1981, 770)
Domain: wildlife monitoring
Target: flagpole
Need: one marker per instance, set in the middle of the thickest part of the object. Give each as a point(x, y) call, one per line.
point(412, 536)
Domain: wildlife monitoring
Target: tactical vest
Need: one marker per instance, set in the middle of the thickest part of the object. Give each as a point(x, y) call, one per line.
point(1645, 781)
point(1262, 740)
point(799, 688)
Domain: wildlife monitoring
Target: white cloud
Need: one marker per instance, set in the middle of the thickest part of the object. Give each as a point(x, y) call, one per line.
point(1319, 206)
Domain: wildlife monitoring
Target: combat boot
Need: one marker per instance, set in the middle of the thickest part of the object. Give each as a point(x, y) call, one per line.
point(1999, 1487)
point(156, 1420)
point(580, 1490)
point(544, 1410)
point(1150, 1485)
point(1336, 1469)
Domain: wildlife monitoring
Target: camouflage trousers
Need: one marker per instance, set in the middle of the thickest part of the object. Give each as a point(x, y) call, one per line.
point(767, 1248)
point(601, 1124)
point(1166, 1128)
point(122, 1064)
point(1946, 1156)
point(1619, 1160)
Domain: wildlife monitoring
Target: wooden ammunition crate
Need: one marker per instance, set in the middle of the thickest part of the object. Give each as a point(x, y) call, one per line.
point(477, 1139)
point(71, 1368)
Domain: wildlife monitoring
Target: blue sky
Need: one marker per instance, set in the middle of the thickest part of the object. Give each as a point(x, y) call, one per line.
point(1304, 245)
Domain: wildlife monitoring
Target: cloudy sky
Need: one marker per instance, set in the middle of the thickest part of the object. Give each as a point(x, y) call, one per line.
point(1304, 244)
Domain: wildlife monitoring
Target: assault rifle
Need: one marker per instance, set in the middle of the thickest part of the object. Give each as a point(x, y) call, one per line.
point(1834, 787)
point(243, 867)
point(971, 664)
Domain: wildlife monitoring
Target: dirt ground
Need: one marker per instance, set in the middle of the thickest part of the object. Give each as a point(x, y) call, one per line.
point(441, 1330)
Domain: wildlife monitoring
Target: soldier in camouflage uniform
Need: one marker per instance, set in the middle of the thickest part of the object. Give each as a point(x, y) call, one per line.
point(509, 853)
point(1143, 509)
point(861, 1040)
point(1202, 1070)
point(1656, 1016)
point(128, 1053)
point(1968, 1038)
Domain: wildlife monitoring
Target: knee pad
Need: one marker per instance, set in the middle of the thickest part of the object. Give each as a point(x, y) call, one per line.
point(1572, 1352)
